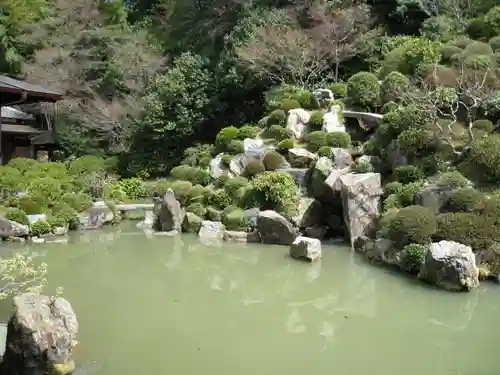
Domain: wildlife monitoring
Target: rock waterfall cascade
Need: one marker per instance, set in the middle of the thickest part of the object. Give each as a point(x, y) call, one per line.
point(332, 120)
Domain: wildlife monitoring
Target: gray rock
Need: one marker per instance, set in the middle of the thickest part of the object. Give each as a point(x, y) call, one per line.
point(332, 183)
point(37, 240)
point(3, 339)
point(306, 248)
point(10, 228)
point(61, 231)
point(275, 229)
point(433, 197)
point(41, 335)
point(255, 148)
point(297, 122)
point(171, 214)
point(318, 174)
point(309, 213)
point(97, 216)
point(342, 158)
point(299, 176)
point(450, 265)
point(332, 120)
point(300, 157)
point(192, 223)
point(37, 217)
point(323, 97)
point(238, 164)
point(251, 217)
point(216, 167)
point(148, 222)
point(211, 232)
point(361, 201)
point(234, 236)
point(395, 156)
point(316, 231)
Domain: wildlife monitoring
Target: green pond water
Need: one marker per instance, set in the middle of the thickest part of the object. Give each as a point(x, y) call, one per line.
point(163, 305)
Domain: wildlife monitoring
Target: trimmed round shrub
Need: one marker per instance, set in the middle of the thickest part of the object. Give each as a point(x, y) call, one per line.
point(197, 208)
point(57, 222)
point(412, 258)
point(11, 180)
point(306, 100)
point(181, 190)
point(394, 85)
point(478, 29)
point(235, 147)
point(316, 140)
point(86, 165)
point(182, 172)
point(495, 44)
point(225, 136)
point(78, 201)
point(338, 139)
point(273, 160)
point(247, 131)
point(114, 192)
point(483, 124)
point(40, 227)
point(447, 51)
point(47, 187)
point(462, 42)
point(325, 151)
point(279, 132)
point(438, 75)
point(392, 188)
point(198, 155)
point(479, 62)
point(339, 89)
point(416, 142)
point(363, 89)
point(465, 200)
point(289, 104)
point(362, 167)
point(484, 158)
point(159, 188)
point(23, 165)
point(235, 220)
point(407, 174)
point(220, 199)
point(477, 48)
point(412, 224)
point(453, 180)
point(492, 19)
point(276, 117)
point(17, 215)
point(439, 28)
point(235, 187)
point(67, 213)
point(214, 214)
point(406, 195)
point(254, 167)
point(285, 145)
point(477, 231)
point(221, 181)
point(198, 194)
point(316, 120)
point(226, 160)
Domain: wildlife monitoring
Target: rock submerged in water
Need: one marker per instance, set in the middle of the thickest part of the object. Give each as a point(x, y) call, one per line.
point(9, 228)
point(305, 248)
point(170, 215)
point(41, 335)
point(275, 229)
point(211, 232)
point(450, 265)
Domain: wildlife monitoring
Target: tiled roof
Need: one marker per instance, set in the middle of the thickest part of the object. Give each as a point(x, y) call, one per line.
point(8, 84)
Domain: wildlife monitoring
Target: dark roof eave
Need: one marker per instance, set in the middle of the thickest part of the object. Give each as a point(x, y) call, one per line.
point(13, 86)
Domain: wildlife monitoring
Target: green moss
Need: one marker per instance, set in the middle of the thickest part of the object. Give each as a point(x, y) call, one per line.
point(485, 125)
point(285, 145)
point(339, 89)
point(338, 139)
point(325, 151)
point(316, 120)
point(279, 133)
point(316, 140)
point(247, 131)
point(289, 104)
point(276, 117)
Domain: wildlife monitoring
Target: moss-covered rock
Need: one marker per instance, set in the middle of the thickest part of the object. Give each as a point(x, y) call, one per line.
point(191, 223)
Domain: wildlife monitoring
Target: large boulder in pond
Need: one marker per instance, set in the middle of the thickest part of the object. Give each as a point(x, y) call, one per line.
point(318, 173)
point(41, 335)
point(341, 158)
point(450, 265)
point(211, 232)
point(361, 201)
point(171, 215)
point(275, 229)
point(9, 228)
point(191, 223)
point(97, 216)
point(305, 248)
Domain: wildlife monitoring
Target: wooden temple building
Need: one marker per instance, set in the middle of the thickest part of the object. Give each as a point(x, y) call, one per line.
point(23, 134)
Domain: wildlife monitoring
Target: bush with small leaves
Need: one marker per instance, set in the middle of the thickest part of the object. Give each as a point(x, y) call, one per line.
point(477, 231)
point(316, 120)
point(417, 142)
point(477, 49)
point(235, 147)
point(338, 139)
point(48, 188)
point(465, 200)
point(306, 100)
point(394, 86)
point(406, 195)
point(254, 167)
point(441, 28)
point(316, 140)
point(285, 145)
point(478, 29)
point(485, 125)
point(40, 227)
point(362, 167)
point(439, 75)
point(453, 180)
point(495, 44)
point(392, 188)
point(388, 107)
point(412, 258)
point(447, 51)
point(407, 174)
point(220, 199)
point(363, 89)
point(113, 192)
point(235, 187)
point(17, 215)
point(289, 104)
point(23, 165)
point(279, 132)
point(276, 117)
point(214, 214)
point(412, 224)
point(225, 136)
point(199, 155)
point(78, 201)
point(484, 159)
point(159, 188)
point(67, 213)
point(235, 220)
point(86, 165)
point(221, 181)
point(57, 222)
point(226, 160)
point(198, 194)
point(32, 204)
point(492, 19)
point(247, 131)
point(11, 180)
point(391, 202)
point(181, 190)
point(275, 191)
point(462, 42)
point(134, 187)
point(194, 175)
point(339, 89)
point(325, 151)
point(273, 160)
point(197, 208)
